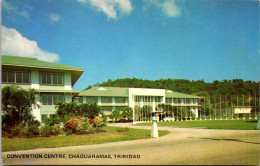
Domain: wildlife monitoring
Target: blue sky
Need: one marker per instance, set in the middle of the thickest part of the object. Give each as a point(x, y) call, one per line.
point(147, 39)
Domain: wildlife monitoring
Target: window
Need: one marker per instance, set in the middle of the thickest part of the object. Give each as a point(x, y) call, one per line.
point(80, 99)
point(168, 100)
point(51, 78)
point(188, 101)
point(106, 99)
point(91, 99)
point(137, 98)
point(157, 99)
point(119, 100)
point(107, 108)
point(51, 99)
point(44, 117)
point(147, 99)
point(16, 77)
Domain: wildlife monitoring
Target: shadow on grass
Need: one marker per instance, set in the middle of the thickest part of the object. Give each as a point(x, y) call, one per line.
point(236, 140)
point(252, 121)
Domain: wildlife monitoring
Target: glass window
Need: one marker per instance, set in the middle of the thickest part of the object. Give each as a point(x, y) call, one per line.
point(19, 77)
point(106, 99)
point(55, 79)
point(26, 77)
point(157, 99)
point(137, 98)
point(51, 99)
point(15, 77)
point(120, 100)
point(188, 101)
point(44, 99)
point(57, 98)
point(49, 79)
point(180, 101)
point(168, 100)
point(44, 117)
point(4, 76)
point(90, 99)
point(147, 99)
point(11, 76)
point(60, 76)
point(107, 108)
point(52, 78)
point(80, 99)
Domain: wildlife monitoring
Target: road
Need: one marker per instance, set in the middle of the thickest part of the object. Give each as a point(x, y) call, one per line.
point(182, 146)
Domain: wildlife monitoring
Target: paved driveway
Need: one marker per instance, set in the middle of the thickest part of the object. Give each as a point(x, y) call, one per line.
point(182, 146)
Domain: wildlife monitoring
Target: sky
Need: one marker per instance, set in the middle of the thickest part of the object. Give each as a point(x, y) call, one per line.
point(145, 39)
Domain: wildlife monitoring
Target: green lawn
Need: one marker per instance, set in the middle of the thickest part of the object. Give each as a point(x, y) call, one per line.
point(112, 135)
point(211, 124)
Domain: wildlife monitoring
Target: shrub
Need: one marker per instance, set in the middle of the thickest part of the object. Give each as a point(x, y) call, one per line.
point(69, 132)
point(98, 122)
point(70, 125)
point(55, 129)
point(77, 124)
point(46, 131)
point(33, 129)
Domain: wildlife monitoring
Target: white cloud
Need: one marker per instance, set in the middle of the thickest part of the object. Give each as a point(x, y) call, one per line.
point(13, 9)
point(111, 7)
point(54, 17)
point(13, 43)
point(168, 7)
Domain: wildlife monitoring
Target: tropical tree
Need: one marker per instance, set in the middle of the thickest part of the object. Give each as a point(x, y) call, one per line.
point(127, 113)
point(17, 104)
point(115, 114)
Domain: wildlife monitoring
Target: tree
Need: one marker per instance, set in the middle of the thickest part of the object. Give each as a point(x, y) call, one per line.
point(90, 110)
point(17, 103)
point(127, 113)
point(115, 114)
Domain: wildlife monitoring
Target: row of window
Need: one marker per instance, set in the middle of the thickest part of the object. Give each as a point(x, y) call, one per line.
point(148, 98)
point(46, 78)
point(104, 108)
point(51, 78)
point(103, 99)
point(180, 101)
point(52, 99)
point(16, 77)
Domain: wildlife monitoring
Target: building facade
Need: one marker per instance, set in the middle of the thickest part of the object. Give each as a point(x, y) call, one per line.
point(111, 98)
point(53, 82)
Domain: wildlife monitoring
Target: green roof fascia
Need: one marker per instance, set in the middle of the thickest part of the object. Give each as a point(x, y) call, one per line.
point(173, 94)
point(35, 63)
point(107, 91)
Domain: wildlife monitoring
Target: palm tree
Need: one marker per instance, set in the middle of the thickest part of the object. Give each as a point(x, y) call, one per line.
point(18, 103)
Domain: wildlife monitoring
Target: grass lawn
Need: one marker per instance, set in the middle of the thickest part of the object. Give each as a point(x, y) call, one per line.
point(211, 124)
point(112, 135)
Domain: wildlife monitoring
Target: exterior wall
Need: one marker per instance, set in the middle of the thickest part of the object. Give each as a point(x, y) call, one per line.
point(35, 84)
point(145, 92)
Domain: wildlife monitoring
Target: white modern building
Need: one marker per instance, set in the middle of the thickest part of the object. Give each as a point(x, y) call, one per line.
point(53, 82)
point(110, 98)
